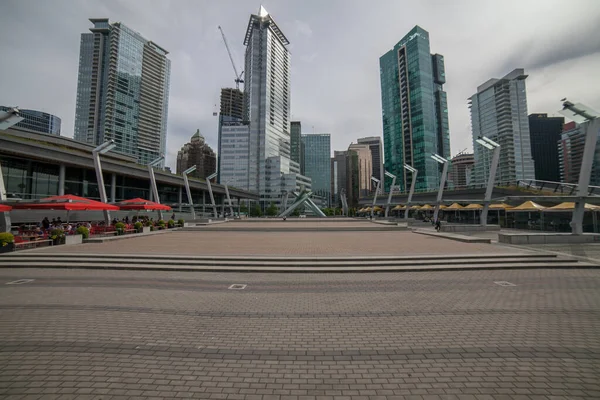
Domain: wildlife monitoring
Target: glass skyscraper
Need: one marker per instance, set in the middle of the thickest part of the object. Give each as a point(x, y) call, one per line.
point(122, 91)
point(414, 108)
point(499, 111)
point(37, 121)
point(317, 163)
point(297, 146)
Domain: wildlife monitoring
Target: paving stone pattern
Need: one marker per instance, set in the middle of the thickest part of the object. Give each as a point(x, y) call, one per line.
point(217, 243)
point(434, 335)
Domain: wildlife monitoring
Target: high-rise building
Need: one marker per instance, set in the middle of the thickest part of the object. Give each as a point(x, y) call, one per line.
point(296, 144)
point(545, 133)
point(499, 112)
point(415, 112)
point(197, 152)
point(317, 163)
point(122, 91)
point(37, 121)
point(232, 103)
point(374, 143)
point(338, 176)
point(359, 170)
point(570, 154)
point(461, 168)
point(234, 138)
point(267, 110)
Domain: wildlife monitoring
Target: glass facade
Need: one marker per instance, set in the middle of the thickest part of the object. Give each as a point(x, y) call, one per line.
point(296, 145)
point(414, 110)
point(233, 154)
point(499, 112)
point(545, 133)
point(122, 91)
point(37, 121)
point(317, 163)
point(377, 156)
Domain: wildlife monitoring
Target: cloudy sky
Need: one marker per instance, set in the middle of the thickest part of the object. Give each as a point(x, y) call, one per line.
point(335, 46)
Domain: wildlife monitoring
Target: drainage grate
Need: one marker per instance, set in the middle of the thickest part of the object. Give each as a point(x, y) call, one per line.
point(504, 283)
point(20, 281)
point(237, 286)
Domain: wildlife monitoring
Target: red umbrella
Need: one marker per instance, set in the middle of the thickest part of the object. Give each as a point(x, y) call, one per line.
point(4, 208)
point(67, 202)
point(141, 204)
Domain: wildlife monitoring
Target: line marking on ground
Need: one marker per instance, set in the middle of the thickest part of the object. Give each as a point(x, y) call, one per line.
point(237, 286)
point(504, 283)
point(20, 281)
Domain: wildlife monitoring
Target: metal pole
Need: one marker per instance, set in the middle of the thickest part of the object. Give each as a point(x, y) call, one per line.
point(180, 198)
point(154, 188)
point(61, 179)
point(441, 191)
point(375, 199)
point(100, 180)
point(210, 192)
point(228, 201)
point(189, 195)
point(113, 188)
point(490, 186)
point(587, 161)
point(410, 194)
point(5, 223)
point(389, 200)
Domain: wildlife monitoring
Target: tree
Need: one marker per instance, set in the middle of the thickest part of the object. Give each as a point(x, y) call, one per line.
point(243, 208)
point(255, 211)
point(272, 210)
point(296, 212)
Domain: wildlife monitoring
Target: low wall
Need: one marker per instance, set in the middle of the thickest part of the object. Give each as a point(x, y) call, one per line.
point(468, 228)
point(547, 238)
point(73, 239)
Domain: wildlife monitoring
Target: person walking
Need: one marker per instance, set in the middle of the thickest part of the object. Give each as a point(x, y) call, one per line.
point(438, 225)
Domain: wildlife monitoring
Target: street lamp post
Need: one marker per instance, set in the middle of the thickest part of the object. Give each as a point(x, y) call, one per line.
point(153, 182)
point(580, 114)
point(378, 182)
point(414, 172)
point(389, 200)
point(210, 192)
point(438, 203)
point(495, 147)
point(228, 198)
point(102, 149)
point(187, 189)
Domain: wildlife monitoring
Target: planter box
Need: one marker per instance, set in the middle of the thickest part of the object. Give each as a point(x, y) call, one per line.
point(145, 229)
point(73, 239)
point(8, 248)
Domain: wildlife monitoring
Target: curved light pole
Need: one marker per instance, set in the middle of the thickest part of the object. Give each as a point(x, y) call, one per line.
point(495, 147)
point(151, 166)
point(210, 192)
point(445, 163)
point(414, 172)
point(581, 113)
point(102, 149)
point(228, 198)
point(187, 189)
point(389, 200)
point(378, 182)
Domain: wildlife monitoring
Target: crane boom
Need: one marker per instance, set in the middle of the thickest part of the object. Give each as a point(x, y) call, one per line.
point(238, 77)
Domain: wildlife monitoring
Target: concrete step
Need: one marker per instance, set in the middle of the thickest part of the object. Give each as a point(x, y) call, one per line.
point(20, 261)
point(41, 255)
point(290, 269)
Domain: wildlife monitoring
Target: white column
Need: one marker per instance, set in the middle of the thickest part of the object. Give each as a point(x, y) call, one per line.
point(585, 173)
point(61, 179)
point(113, 188)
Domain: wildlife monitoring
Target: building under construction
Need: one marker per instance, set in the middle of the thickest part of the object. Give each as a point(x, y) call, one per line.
point(232, 103)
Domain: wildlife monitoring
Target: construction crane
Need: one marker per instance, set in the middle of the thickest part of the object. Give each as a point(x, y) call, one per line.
point(238, 77)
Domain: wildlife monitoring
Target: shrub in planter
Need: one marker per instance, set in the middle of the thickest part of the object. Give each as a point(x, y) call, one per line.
point(6, 242)
point(161, 224)
point(57, 236)
point(171, 224)
point(138, 226)
point(83, 231)
point(148, 223)
point(120, 227)
point(181, 221)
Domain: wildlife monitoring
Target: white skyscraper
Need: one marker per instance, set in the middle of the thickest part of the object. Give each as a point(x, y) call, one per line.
point(499, 112)
point(269, 172)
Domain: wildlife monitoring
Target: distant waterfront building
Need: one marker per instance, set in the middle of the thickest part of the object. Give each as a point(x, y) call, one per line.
point(570, 149)
point(499, 111)
point(359, 169)
point(296, 144)
point(122, 91)
point(415, 111)
point(232, 103)
point(338, 176)
point(317, 163)
point(37, 121)
point(461, 168)
point(545, 133)
point(374, 143)
point(197, 152)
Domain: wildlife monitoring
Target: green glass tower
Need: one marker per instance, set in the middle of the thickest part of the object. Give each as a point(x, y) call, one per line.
point(414, 110)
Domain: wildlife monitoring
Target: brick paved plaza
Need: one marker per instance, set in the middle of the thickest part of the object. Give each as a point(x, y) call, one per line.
point(118, 334)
